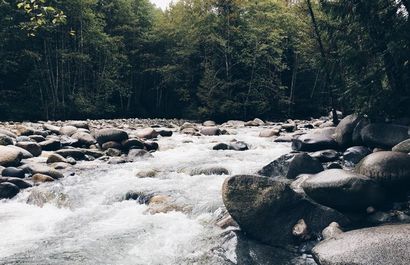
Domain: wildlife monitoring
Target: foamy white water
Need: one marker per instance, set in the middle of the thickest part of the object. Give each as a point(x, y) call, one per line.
point(91, 224)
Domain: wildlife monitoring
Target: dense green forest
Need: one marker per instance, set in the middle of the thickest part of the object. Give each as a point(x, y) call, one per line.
point(219, 59)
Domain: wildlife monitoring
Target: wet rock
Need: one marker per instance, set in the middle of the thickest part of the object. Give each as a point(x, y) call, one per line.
point(24, 130)
point(355, 154)
point(8, 190)
point(21, 184)
point(6, 140)
point(254, 123)
point(79, 124)
point(56, 158)
point(289, 127)
point(209, 171)
point(75, 153)
point(331, 231)
point(147, 173)
point(93, 152)
point(117, 160)
point(106, 135)
point(147, 133)
point(51, 128)
point(326, 155)
point(13, 172)
point(9, 156)
point(384, 135)
point(165, 133)
point(113, 152)
point(151, 146)
point(210, 131)
point(190, 131)
point(84, 138)
point(23, 139)
point(226, 221)
point(41, 178)
point(50, 145)
point(384, 245)
point(132, 143)
point(301, 231)
point(343, 190)
point(209, 123)
point(221, 146)
point(283, 139)
point(67, 141)
point(25, 154)
point(44, 170)
point(32, 147)
point(60, 165)
point(68, 130)
point(290, 166)
point(268, 209)
point(334, 165)
point(238, 146)
point(403, 147)
point(269, 133)
point(140, 197)
point(8, 133)
point(41, 197)
point(111, 144)
point(314, 141)
point(390, 169)
point(344, 130)
point(135, 154)
point(37, 138)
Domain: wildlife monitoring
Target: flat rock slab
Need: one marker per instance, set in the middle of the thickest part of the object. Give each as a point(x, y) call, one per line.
point(384, 245)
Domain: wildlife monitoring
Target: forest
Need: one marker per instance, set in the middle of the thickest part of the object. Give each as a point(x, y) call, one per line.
point(203, 59)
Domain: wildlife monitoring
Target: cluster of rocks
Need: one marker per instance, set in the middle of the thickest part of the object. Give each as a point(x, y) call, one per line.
point(354, 177)
point(34, 153)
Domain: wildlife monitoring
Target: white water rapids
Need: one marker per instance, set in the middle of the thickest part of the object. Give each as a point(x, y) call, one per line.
point(95, 226)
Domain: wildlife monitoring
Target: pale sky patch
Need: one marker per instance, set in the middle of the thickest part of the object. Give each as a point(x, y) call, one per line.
point(163, 4)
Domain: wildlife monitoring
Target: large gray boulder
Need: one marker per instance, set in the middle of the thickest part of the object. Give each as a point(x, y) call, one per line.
point(9, 156)
point(344, 130)
point(290, 166)
point(106, 135)
point(33, 147)
point(384, 245)
point(391, 169)
point(384, 135)
point(403, 147)
point(314, 141)
point(84, 138)
point(268, 209)
point(8, 190)
point(21, 184)
point(343, 190)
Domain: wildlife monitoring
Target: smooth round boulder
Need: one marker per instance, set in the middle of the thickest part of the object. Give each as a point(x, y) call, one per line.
point(13, 172)
point(8, 190)
point(33, 147)
point(37, 138)
point(84, 138)
point(52, 128)
point(403, 147)
point(50, 145)
point(45, 170)
point(344, 130)
point(313, 142)
point(106, 135)
point(6, 140)
point(25, 154)
point(135, 154)
point(220, 146)
point(111, 144)
point(56, 158)
point(151, 146)
point(383, 245)
point(391, 169)
point(267, 209)
point(355, 154)
point(324, 156)
point(68, 130)
point(9, 156)
point(8, 133)
point(75, 153)
point(238, 146)
point(383, 135)
point(132, 143)
point(21, 184)
point(268, 133)
point(24, 130)
point(210, 131)
point(41, 178)
point(209, 123)
point(343, 190)
point(147, 133)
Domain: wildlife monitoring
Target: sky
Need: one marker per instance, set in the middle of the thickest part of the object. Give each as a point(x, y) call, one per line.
point(161, 3)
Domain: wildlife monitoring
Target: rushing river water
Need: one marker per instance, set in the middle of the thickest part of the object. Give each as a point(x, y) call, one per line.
point(89, 223)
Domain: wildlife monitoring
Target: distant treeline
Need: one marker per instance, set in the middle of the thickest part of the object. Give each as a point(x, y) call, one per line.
point(216, 59)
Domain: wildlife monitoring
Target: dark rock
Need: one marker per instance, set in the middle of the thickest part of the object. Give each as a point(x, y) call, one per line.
point(13, 172)
point(343, 190)
point(68, 130)
point(140, 197)
point(315, 141)
point(344, 130)
point(21, 184)
point(93, 152)
point(36, 138)
point(106, 135)
point(165, 133)
point(384, 135)
point(238, 146)
point(221, 146)
point(354, 154)
point(289, 127)
point(390, 169)
point(334, 165)
point(384, 245)
point(267, 209)
point(50, 145)
point(290, 166)
point(32, 147)
point(75, 153)
point(9, 156)
point(403, 147)
point(326, 155)
point(111, 144)
point(132, 143)
point(84, 138)
point(6, 140)
point(68, 141)
point(8, 190)
point(151, 146)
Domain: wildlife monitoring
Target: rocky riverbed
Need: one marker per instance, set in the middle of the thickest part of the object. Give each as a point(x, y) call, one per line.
point(176, 192)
